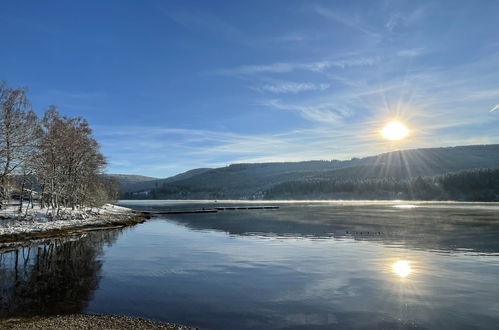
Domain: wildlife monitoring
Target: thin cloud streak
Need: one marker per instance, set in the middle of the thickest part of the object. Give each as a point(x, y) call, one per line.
point(210, 24)
point(323, 113)
point(399, 19)
point(351, 21)
point(413, 52)
point(287, 67)
point(290, 87)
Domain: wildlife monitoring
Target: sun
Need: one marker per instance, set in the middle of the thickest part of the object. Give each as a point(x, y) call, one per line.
point(394, 130)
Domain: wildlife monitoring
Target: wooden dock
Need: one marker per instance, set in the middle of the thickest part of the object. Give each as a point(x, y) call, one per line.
point(213, 210)
point(246, 208)
point(184, 212)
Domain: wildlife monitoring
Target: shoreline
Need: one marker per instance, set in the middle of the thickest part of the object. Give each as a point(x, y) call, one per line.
point(290, 201)
point(38, 226)
point(88, 321)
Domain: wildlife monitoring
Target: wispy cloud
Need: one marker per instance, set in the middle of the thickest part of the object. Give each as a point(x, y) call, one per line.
point(323, 113)
point(290, 87)
point(281, 67)
point(350, 62)
point(484, 94)
point(293, 37)
point(397, 18)
point(286, 67)
point(411, 52)
point(352, 21)
point(393, 20)
point(209, 24)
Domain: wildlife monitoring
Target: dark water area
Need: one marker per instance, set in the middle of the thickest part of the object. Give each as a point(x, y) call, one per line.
point(312, 265)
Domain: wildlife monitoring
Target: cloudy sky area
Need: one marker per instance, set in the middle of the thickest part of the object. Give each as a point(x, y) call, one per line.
point(174, 85)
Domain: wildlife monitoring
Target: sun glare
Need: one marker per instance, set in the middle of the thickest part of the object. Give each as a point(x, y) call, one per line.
point(394, 130)
point(402, 268)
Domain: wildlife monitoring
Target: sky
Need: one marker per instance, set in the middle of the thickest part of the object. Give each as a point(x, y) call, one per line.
point(169, 86)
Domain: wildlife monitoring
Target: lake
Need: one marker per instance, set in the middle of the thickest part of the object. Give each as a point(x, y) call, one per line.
point(315, 265)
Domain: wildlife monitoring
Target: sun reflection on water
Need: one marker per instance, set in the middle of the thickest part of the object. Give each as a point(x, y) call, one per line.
point(402, 268)
point(404, 206)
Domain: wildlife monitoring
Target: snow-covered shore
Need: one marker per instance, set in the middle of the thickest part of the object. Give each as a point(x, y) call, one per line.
point(42, 221)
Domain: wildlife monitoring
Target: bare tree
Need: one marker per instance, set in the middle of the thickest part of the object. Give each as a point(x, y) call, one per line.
point(68, 161)
point(58, 155)
point(18, 131)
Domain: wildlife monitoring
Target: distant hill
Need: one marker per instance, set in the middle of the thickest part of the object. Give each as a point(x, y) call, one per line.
point(138, 183)
point(260, 180)
point(130, 182)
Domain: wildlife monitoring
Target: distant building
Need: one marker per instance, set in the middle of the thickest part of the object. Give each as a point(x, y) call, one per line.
point(16, 194)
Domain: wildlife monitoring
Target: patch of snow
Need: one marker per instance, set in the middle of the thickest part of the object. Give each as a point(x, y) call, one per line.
point(45, 219)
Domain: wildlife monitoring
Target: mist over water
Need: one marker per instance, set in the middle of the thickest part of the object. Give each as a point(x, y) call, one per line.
point(305, 265)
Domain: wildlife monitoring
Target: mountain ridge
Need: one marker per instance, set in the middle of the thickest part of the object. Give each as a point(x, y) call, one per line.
point(253, 180)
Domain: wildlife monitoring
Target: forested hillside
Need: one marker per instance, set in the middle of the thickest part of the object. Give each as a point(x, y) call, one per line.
point(130, 182)
point(467, 185)
point(389, 175)
point(139, 183)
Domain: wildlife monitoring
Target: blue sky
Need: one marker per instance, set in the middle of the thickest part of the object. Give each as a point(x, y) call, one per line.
point(173, 85)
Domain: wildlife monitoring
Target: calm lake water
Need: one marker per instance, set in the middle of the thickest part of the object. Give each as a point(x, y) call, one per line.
point(304, 265)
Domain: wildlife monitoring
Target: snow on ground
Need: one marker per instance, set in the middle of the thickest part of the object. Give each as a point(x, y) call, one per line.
point(46, 219)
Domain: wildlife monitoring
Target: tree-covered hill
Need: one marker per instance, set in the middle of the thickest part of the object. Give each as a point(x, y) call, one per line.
point(293, 179)
point(131, 182)
point(136, 183)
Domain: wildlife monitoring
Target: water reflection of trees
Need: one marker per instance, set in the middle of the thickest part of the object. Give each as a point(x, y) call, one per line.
point(56, 276)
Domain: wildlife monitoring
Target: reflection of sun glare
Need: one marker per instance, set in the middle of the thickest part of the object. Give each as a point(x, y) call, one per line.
point(394, 130)
point(402, 268)
point(404, 206)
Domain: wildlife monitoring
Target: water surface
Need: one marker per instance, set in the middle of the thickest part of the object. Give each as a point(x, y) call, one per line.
point(305, 265)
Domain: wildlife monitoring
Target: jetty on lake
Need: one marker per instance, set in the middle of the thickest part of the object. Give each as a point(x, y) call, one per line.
point(213, 210)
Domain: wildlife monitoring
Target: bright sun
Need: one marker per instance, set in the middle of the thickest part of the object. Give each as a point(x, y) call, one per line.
point(394, 130)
